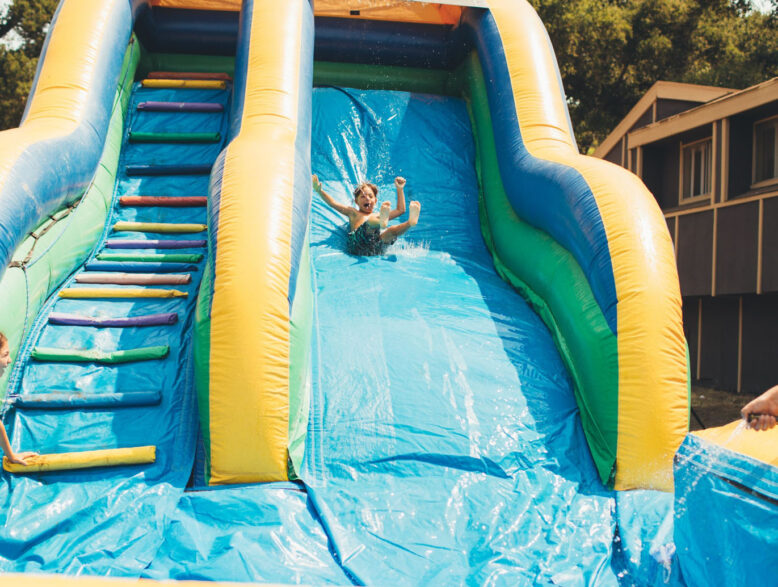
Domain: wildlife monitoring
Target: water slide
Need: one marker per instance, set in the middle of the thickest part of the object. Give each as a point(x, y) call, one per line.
point(219, 392)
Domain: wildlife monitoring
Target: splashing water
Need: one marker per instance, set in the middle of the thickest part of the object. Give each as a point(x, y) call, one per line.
point(742, 425)
point(410, 250)
point(691, 457)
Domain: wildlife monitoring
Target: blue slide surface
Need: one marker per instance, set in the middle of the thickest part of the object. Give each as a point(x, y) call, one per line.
point(444, 443)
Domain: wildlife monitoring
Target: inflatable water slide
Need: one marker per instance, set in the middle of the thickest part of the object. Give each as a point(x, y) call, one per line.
point(217, 391)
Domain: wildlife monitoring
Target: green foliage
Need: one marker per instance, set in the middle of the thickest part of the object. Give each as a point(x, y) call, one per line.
point(610, 52)
point(23, 29)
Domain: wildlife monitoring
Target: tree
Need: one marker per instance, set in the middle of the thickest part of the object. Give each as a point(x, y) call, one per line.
point(610, 52)
point(23, 29)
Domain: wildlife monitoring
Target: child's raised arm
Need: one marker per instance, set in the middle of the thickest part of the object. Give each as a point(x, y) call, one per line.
point(347, 211)
point(399, 183)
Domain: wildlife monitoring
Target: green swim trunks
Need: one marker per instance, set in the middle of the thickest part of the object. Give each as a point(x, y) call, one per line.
point(365, 240)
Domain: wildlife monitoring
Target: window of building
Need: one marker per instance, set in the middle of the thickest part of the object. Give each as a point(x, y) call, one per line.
point(696, 163)
point(766, 150)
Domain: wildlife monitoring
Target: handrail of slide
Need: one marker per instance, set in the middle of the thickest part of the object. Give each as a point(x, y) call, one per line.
point(252, 325)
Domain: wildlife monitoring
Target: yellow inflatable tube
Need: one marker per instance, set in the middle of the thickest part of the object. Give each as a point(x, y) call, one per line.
point(248, 371)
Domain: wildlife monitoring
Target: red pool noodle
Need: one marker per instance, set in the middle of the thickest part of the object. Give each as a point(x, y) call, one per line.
point(172, 201)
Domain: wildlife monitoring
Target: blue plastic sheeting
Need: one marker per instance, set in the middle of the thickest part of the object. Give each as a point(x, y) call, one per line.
point(444, 444)
point(264, 533)
point(726, 515)
point(111, 521)
point(645, 541)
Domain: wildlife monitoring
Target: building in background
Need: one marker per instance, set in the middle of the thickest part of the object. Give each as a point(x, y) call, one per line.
point(710, 157)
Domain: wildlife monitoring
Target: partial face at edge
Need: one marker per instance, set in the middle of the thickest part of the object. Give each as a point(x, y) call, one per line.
point(5, 357)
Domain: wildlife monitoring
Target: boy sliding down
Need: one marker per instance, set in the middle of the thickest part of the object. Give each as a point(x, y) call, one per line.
point(368, 232)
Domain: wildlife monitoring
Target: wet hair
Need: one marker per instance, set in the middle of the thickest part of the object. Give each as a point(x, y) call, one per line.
point(363, 185)
point(3, 340)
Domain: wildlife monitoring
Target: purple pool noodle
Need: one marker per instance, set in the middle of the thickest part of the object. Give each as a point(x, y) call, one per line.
point(148, 320)
point(181, 106)
point(153, 244)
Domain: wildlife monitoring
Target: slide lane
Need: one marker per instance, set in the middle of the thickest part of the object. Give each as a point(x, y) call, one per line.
point(444, 443)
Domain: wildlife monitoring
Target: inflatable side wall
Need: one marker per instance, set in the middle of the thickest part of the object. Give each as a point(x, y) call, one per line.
point(57, 169)
point(254, 313)
point(621, 336)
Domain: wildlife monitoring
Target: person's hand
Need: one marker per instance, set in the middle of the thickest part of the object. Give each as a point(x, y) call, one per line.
point(21, 458)
point(316, 184)
point(760, 413)
point(399, 182)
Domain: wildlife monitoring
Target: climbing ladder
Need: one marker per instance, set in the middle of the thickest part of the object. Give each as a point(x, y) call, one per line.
point(107, 373)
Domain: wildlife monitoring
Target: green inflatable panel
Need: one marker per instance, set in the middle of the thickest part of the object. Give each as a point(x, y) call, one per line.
point(152, 257)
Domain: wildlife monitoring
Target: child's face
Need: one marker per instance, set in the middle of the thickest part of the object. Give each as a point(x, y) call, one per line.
point(5, 357)
point(366, 200)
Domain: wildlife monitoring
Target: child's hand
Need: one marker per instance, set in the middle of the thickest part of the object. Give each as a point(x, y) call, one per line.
point(316, 184)
point(399, 182)
point(21, 458)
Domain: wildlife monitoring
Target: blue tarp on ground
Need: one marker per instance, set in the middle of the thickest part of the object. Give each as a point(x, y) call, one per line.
point(726, 515)
point(262, 533)
point(644, 546)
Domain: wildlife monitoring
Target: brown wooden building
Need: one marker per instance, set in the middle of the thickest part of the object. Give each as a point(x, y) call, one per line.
point(710, 157)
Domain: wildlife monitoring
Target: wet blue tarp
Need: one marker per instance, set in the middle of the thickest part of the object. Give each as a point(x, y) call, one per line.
point(645, 548)
point(444, 445)
point(726, 516)
point(261, 533)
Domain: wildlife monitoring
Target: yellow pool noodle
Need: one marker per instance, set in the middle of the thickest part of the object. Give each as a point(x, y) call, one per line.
point(84, 460)
point(185, 83)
